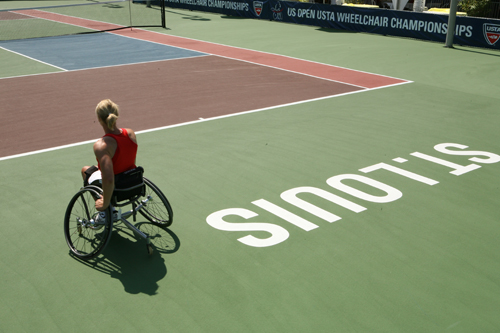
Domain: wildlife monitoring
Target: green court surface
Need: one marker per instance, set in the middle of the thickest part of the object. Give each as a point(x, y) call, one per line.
point(428, 261)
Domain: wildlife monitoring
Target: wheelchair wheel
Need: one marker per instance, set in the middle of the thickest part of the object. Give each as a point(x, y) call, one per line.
point(157, 210)
point(85, 234)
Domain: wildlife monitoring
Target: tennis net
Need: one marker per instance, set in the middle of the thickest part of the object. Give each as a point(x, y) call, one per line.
point(67, 17)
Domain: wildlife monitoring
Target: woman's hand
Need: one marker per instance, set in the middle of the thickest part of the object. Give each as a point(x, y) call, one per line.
point(99, 204)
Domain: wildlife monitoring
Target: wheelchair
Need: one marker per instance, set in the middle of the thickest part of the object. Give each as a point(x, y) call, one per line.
point(87, 234)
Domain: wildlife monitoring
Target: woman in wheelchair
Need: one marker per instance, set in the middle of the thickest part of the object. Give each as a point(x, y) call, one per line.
point(116, 182)
point(115, 153)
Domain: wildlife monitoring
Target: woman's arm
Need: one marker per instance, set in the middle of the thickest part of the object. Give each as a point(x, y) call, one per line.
point(104, 151)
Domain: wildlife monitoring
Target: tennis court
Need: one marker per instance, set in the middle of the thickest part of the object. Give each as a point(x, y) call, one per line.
point(321, 180)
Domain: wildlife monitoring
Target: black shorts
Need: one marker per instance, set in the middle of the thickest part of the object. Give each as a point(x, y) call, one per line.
point(93, 174)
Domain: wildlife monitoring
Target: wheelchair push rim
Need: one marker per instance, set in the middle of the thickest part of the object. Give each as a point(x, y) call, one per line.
point(85, 234)
point(158, 210)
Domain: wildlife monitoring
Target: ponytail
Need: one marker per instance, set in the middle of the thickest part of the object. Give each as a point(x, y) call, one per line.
point(107, 111)
point(111, 120)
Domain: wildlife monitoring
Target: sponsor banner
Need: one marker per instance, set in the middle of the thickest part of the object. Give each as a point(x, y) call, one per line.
point(468, 31)
point(250, 9)
point(491, 33)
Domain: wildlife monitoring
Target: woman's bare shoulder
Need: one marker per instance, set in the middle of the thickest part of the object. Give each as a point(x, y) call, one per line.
point(131, 134)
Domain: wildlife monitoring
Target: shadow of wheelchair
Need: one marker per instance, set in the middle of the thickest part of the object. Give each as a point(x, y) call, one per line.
point(127, 260)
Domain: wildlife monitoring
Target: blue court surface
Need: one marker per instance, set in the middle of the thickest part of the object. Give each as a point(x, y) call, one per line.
point(94, 50)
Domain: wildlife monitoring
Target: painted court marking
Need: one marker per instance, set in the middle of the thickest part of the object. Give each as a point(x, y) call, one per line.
point(329, 72)
point(200, 120)
point(72, 52)
point(365, 81)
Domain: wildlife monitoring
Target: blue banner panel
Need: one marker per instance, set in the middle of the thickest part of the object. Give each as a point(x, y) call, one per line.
point(469, 31)
point(245, 8)
point(427, 26)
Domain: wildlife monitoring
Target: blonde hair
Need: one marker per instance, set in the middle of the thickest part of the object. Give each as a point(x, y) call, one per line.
point(107, 111)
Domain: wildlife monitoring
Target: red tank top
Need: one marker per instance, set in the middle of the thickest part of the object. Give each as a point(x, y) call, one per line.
point(126, 151)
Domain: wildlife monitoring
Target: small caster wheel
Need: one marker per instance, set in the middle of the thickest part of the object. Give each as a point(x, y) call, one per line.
point(150, 249)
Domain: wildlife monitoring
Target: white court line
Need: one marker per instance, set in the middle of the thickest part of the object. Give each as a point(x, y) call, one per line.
point(264, 52)
point(73, 24)
point(256, 63)
point(37, 60)
point(200, 120)
point(110, 66)
point(235, 47)
point(193, 39)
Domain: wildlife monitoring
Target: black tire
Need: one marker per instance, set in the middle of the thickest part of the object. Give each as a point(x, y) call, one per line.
point(162, 239)
point(85, 238)
point(157, 210)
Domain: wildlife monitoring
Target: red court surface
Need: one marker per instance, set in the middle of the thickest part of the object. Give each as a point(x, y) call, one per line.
point(163, 93)
point(347, 76)
point(155, 94)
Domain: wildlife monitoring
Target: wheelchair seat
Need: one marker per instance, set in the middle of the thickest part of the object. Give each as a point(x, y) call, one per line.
point(87, 234)
point(128, 185)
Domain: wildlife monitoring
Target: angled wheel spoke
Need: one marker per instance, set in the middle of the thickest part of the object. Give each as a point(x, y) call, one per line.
point(83, 238)
point(157, 209)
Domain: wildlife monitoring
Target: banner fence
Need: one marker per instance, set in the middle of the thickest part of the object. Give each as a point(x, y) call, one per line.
point(469, 31)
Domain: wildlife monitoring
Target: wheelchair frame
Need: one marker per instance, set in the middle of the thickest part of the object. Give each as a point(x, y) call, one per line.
point(87, 236)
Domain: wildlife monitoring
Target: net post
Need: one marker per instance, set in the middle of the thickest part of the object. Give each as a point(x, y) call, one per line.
point(130, 12)
point(163, 19)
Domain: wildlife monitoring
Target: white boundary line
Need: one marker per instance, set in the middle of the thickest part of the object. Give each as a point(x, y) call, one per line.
point(200, 120)
point(42, 62)
point(64, 5)
point(236, 47)
point(110, 66)
point(255, 63)
point(202, 54)
point(275, 54)
point(76, 25)
point(46, 150)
